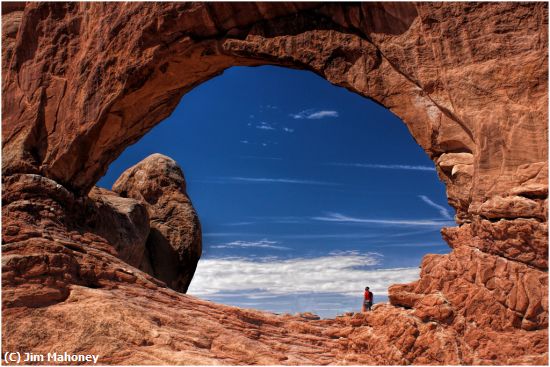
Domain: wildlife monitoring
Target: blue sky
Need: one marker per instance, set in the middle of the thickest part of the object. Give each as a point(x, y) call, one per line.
point(306, 192)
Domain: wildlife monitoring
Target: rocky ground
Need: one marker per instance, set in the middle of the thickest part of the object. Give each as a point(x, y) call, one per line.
point(61, 297)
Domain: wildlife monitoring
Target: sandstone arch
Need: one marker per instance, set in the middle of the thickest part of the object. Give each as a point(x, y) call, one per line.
point(83, 81)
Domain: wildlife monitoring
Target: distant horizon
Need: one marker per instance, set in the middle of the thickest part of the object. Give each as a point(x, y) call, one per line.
point(306, 192)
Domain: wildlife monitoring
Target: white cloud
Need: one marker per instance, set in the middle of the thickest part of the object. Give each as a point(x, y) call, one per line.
point(311, 114)
point(323, 304)
point(281, 219)
point(442, 210)
point(322, 114)
point(225, 234)
point(337, 217)
point(265, 126)
point(376, 240)
point(331, 235)
point(252, 244)
point(268, 107)
point(244, 141)
point(288, 130)
point(414, 232)
point(342, 273)
point(424, 225)
point(412, 244)
point(279, 180)
point(260, 157)
point(385, 166)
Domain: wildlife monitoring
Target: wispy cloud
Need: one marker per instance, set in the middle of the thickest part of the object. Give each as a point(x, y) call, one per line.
point(412, 227)
point(337, 217)
point(413, 244)
point(245, 141)
point(339, 273)
point(312, 114)
point(260, 157)
point(264, 126)
point(385, 166)
point(261, 180)
point(268, 107)
point(278, 180)
point(322, 114)
point(265, 244)
point(442, 210)
point(375, 239)
point(228, 234)
point(332, 235)
point(288, 130)
point(281, 219)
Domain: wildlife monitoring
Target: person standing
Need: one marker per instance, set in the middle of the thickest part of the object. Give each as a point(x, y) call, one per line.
point(367, 300)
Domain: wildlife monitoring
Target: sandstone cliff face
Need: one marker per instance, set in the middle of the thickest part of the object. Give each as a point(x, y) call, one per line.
point(82, 81)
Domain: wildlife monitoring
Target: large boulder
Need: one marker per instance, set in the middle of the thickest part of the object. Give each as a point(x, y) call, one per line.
point(123, 222)
point(174, 244)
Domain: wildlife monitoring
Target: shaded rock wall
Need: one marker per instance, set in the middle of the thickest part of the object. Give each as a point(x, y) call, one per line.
point(124, 223)
point(82, 81)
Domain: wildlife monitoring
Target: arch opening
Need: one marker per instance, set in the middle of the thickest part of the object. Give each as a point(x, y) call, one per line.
point(306, 192)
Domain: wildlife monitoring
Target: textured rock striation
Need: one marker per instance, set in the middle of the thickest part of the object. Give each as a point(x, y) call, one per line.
point(82, 81)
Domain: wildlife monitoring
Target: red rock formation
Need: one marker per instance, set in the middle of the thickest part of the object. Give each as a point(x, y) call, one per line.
point(82, 81)
point(174, 244)
point(123, 222)
point(94, 303)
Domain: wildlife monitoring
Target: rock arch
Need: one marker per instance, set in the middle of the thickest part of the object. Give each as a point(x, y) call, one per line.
point(81, 81)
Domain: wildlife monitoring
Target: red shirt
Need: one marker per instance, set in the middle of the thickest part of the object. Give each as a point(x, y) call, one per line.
point(368, 296)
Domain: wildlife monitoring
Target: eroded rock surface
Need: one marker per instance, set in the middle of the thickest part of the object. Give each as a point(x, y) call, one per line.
point(82, 81)
point(174, 244)
point(98, 304)
point(123, 222)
